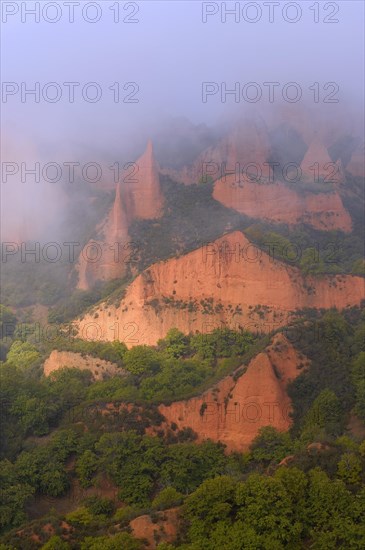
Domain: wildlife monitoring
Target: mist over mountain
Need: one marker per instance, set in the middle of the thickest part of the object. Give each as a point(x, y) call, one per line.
point(182, 294)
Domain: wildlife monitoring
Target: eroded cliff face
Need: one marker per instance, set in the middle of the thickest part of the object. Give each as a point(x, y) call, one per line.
point(317, 165)
point(139, 197)
point(277, 202)
point(246, 143)
point(229, 282)
point(244, 179)
point(142, 194)
point(99, 368)
point(235, 409)
point(104, 258)
point(163, 527)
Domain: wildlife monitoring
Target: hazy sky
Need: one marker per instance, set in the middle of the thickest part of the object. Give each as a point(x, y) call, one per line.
point(168, 52)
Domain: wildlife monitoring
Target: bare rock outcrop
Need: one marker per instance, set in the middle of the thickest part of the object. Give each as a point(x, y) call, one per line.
point(139, 197)
point(142, 194)
point(164, 528)
point(229, 282)
point(104, 258)
point(317, 165)
point(99, 368)
point(247, 143)
point(236, 408)
point(276, 202)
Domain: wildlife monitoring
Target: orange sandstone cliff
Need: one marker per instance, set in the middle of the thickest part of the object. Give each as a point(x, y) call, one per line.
point(140, 197)
point(99, 368)
point(103, 258)
point(247, 143)
point(162, 528)
point(318, 165)
point(229, 282)
point(142, 193)
point(277, 202)
point(244, 180)
point(236, 408)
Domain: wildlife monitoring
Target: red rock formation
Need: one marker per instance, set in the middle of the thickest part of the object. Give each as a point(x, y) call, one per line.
point(320, 120)
point(317, 165)
point(67, 359)
point(164, 529)
point(277, 202)
point(247, 143)
point(103, 258)
point(233, 411)
point(140, 197)
point(229, 282)
point(141, 192)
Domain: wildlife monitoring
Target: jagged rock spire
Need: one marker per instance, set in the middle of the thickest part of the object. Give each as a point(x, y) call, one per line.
point(247, 143)
point(142, 192)
point(112, 236)
point(317, 163)
point(119, 225)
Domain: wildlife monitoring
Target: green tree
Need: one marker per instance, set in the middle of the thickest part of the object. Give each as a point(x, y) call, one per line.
point(142, 360)
point(211, 502)
point(362, 449)
point(80, 516)
point(176, 379)
point(8, 322)
point(266, 506)
point(133, 462)
point(32, 413)
point(358, 379)
point(46, 476)
point(358, 267)
point(66, 388)
point(295, 483)
point(167, 498)
point(270, 444)
point(334, 516)
point(324, 417)
point(116, 542)
point(22, 355)
point(56, 543)
point(310, 264)
point(187, 465)
point(100, 506)
point(175, 343)
point(86, 466)
point(13, 495)
point(350, 468)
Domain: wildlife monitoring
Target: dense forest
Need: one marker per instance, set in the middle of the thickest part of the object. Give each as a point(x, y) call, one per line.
point(59, 449)
point(82, 459)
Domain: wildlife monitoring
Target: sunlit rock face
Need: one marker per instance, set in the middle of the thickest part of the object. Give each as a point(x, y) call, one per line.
point(279, 203)
point(138, 197)
point(99, 368)
point(220, 284)
point(317, 165)
point(235, 409)
point(141, 191)
point(103, 258)
point(247, 143)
